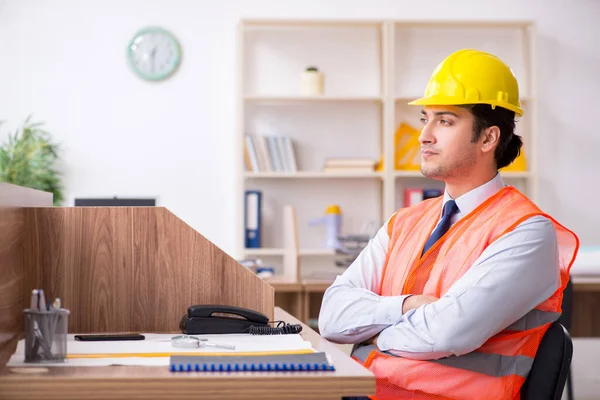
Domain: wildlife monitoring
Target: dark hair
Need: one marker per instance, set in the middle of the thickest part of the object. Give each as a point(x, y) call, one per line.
point(509, 146)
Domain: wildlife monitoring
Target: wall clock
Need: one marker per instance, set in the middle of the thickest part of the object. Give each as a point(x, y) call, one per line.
point(154, 54)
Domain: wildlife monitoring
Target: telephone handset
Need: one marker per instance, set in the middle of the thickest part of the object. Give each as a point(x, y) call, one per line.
point(201, 319)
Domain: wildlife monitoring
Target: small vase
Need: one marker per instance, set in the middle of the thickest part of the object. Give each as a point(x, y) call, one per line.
point(312, 82)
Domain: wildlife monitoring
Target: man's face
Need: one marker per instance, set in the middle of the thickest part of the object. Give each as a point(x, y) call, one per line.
point(447, 151)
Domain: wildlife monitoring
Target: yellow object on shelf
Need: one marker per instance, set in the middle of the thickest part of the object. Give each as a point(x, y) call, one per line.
point(519, 165)
point(407, 154)
point(379, 166)
point(333, 209)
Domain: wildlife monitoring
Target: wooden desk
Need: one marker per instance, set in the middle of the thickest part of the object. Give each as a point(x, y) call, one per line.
point(129, 382)
point(586, 283)
point(289, 296)
point(586, 302)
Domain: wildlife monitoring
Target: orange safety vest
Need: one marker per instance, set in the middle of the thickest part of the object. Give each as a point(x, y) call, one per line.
point(496, 370)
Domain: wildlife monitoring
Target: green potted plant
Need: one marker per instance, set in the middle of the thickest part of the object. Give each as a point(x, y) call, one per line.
point(28, 159)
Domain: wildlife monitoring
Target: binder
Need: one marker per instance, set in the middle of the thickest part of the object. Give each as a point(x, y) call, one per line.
point(236, 363)
point(252, 218)
point(431, 193)
point(412, 196)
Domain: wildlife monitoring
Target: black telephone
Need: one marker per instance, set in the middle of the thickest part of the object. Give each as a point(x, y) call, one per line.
point(200, 320)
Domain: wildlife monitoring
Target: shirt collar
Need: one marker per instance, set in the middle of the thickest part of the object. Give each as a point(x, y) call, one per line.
point(471, 200)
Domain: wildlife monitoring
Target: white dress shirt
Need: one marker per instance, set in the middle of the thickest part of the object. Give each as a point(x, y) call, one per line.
point(511, 277)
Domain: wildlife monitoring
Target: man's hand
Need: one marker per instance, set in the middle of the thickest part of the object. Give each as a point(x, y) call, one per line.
point(411, 302)
point(416, 301)
point(372, 340)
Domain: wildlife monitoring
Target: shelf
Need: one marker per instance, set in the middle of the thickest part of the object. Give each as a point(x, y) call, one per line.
point(308, 285)
point(406, 99)
point(316, 286)
point(310, 23)
point(311, 175)
point(263, 252)
point(375, 23)
point(465, 24)
point(317, 252)
point(418, 174)
point(523, 175)
point(281, 284)
point(408, 174)
point(300, 98)
point(279, 252)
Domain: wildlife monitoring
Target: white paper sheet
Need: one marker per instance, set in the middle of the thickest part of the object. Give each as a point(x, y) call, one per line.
point(17, 360)
point(160, 343)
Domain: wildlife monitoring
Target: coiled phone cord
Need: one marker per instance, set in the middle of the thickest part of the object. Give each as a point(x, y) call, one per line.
point(282, 328)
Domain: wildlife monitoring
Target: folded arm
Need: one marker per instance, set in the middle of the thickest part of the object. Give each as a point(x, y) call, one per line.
point(352, 310)
point(511, 277)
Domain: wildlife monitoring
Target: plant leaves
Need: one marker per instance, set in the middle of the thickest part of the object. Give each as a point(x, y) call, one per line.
point(28, 158)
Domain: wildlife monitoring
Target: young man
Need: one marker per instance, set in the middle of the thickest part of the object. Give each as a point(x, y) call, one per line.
point(453, 296)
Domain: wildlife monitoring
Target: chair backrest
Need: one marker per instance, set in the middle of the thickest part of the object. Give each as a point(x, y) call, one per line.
point(567, 306)
point(548, 374)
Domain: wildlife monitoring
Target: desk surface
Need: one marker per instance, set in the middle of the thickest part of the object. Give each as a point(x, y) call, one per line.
point(586, 283)
point(129, 382)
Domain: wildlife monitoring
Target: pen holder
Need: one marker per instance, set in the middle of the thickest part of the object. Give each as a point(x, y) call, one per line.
point(46, 335)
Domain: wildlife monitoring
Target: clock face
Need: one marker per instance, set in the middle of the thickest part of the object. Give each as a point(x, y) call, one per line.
point(154, 54)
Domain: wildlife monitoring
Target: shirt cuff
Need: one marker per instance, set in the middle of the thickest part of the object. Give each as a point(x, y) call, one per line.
point(389, 309)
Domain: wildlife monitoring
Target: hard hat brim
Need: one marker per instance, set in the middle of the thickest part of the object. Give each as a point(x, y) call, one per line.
point(449, 101)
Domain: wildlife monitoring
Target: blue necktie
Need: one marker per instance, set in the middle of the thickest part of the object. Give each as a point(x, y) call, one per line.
point(450, 208)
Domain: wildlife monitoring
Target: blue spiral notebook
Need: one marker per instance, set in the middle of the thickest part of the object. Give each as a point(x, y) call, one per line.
point(276, 362)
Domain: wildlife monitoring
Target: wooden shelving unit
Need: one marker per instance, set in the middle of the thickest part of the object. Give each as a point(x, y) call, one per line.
point(372, 70)
point(311, 175)
point(279, 252)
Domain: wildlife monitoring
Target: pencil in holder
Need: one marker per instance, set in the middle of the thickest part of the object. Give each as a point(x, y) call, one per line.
point(46, 335)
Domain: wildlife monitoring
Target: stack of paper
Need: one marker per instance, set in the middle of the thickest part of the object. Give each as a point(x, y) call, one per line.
point(157, 348)
point(349, 165)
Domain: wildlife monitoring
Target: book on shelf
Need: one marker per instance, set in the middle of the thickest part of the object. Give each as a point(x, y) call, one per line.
point(349, 165)
point(269, 153)
point(252, 218)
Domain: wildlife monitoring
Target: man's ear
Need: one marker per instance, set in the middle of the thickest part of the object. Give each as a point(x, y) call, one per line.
point(490, 137)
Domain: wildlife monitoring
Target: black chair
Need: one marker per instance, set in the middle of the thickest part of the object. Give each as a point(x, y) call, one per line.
point(546, 380)
point(565, 320)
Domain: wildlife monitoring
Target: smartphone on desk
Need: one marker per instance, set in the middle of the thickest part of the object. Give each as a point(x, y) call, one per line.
point(109, 337)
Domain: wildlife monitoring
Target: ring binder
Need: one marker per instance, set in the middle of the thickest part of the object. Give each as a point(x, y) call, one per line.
point(276, 362)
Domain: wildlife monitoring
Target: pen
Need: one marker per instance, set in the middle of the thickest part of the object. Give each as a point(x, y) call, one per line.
point(184, 340)
point(187, 341)
point(220, 345)
point(34, 299)
point(54, 309)
point(42, 301)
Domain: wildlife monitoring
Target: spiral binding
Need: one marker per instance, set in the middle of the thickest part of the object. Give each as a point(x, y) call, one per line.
point(282, 328)
point(317, 361)
point(250, 367)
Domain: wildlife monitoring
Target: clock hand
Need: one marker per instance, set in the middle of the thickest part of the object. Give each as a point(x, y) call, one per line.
point(153, 55)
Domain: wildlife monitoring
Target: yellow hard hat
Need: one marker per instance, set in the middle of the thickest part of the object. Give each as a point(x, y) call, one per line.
point(472, 77)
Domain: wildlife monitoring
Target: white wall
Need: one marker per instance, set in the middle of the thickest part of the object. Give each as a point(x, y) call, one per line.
point(64, 61)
